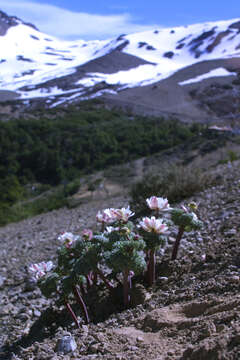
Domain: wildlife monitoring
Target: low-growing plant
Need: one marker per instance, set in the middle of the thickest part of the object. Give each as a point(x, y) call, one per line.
point(186, 220)
point(122, 247)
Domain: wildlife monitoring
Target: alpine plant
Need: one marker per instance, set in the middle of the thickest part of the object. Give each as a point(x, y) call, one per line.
point(154, 233)
point(122, 247)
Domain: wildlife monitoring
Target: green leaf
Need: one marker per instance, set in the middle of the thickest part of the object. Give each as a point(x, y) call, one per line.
point(48, 285)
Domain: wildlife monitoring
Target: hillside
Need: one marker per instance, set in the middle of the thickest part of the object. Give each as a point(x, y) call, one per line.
point(89, 125)
point(191, 313)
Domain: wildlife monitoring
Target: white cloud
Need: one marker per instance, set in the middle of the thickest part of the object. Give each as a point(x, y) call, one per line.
point(67, 24)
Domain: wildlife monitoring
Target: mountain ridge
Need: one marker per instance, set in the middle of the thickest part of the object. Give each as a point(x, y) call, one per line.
point(122, 70)
point(8, 21)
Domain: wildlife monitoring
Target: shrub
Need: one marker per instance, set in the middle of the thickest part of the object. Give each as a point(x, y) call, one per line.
point(232, 155)
point(175, 182)
point(72, 188)
point(22, 210)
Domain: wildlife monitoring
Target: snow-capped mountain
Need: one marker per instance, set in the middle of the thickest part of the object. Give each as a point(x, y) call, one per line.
point(121, 70)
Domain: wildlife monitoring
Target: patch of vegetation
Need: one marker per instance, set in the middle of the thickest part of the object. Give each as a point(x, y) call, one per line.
point(43, 198)
point(56, 149)
point(25, 209)
point(60, 145)
point(231, 157)
point(175, 183)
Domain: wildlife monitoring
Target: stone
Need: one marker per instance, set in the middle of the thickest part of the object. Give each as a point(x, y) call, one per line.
point(36, 313)
point(2, 280)
point(66, 344)
point(30, 284)
point(93, 348)
point(162, 279)
point(234, 279)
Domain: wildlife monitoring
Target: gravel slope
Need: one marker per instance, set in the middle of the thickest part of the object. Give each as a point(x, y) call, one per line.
point(191, 314)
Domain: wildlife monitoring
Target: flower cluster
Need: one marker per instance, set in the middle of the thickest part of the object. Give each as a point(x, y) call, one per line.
point(109, 216)
point(106, 216)
point(122, 246)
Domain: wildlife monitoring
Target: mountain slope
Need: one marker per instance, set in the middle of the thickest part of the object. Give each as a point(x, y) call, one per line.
point(121, 70)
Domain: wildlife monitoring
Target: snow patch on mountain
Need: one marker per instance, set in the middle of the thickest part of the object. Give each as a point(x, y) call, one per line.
point(31, 59)
point(213, 73)
point(139, 76)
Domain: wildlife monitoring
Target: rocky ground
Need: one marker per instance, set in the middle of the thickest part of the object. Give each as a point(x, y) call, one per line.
point(192, 313)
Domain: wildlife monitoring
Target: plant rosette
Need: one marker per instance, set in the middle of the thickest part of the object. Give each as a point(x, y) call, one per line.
point(186, 218)
point(125, 252)
point(125, 255)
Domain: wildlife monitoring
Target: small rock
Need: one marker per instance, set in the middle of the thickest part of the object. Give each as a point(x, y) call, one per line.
point(66, 344)
point(220, 328)
point(230, 233)
point(235, 340)
point(94, 348)
point(171, 239)
point(22, 317)
point(234, 279)
point(36, 313)
point(162, 280)
point(30, 284)
point(2, 280)
point(132, 348)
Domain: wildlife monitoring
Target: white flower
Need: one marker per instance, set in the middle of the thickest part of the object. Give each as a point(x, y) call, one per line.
point(39, 270)
point(110, 229)
point(158, 203)
point(123, 214)
point(107, 216)
point(67, 238)
point(153, 225)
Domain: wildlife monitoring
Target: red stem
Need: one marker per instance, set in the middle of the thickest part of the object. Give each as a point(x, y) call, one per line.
point(151, 268)
point(177, 242)
point(95, 278)
point(82, 288)
point(71, 312)
point(89, 281)
point(117, 280)
point(126, 296)
point(106, 282)
point(81, 303)
point(102, 227)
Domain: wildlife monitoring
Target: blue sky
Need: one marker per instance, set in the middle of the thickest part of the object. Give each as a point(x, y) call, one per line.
point(101, 19)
